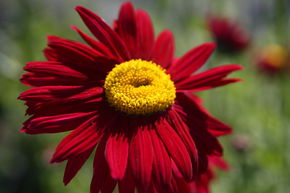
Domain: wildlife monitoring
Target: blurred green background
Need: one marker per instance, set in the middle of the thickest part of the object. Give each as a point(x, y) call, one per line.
point(258, 108)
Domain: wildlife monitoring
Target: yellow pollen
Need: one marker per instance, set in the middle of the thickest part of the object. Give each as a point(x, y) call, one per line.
point(139, 87)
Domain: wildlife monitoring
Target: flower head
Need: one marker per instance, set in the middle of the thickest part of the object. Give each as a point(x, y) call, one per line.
point(272, 59)
point(229, 36)
point(126, 95)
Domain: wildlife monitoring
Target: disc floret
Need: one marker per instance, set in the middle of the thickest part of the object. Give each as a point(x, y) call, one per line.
point(139, 87)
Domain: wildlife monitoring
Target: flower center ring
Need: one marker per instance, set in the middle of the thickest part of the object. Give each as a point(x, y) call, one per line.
point(139, 87)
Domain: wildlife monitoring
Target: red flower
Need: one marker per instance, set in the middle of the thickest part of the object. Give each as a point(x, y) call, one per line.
point(272, 59)
point(126, 96)
point(229, 36)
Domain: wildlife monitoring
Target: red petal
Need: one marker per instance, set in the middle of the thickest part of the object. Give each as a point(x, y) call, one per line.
point(218, 162)
point(46, 79)
point(207, 79)
point(127, 184)
point(141, 157)
point(102, 181)
point(198, 123)
point(162, 162)
point(145, 35)
point(193, 106)
point(50, 108)
point(191, 61)
point(211, 85)
point(61, 94)
point(163, 50)
point(176, 148)
point(74, 164)
point(100, 47)
point(55, 68)
point(79, 56)
point(78, 141)
point(127, 27)
point(117, 155)
point(55, 123)
point(183, 131)
point(103, 32)
point(185, 187)
point(56, 72)
point(67, 46)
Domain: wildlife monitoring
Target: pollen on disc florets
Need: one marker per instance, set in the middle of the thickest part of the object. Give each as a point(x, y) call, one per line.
point(139, 87)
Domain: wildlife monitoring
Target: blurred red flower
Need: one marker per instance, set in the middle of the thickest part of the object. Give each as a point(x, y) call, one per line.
point(229, 35)
point(272, 59)
point(126, 96)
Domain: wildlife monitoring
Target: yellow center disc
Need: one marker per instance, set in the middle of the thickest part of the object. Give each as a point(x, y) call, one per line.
point(139, 87)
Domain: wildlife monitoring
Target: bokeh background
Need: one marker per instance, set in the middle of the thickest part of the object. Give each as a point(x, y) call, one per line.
point(258, 108)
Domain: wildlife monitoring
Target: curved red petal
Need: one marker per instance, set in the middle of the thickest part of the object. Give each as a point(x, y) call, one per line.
point(162, 169)
point(78, 141)
point(198, 123)
point(54, 123)
point(214, 126)
point(38, 79)
point(127, 184)
point(117, 155)
point(104, 33)
point(176, 148)
point(141, 157)
point(102, 181)
point(183, 131)
point(163, 50)
point(208, 79)
point(61, 94)
point(127, 28)
point(55, 73)
point(100, 47)
point(78, 56)
point(74, 106)
point(74, 164)
point(191, 61)
point(145, 35)
point(55, 68)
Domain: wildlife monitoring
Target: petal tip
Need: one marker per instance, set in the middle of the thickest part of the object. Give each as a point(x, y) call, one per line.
point(240, 67)
point(210, 45)
point(74, 27)
point(127, 4)
point(78, 8)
